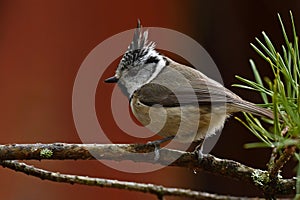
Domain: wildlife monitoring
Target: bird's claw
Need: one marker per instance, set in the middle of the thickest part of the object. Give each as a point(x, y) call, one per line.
point(199, 150)
point(157, 144)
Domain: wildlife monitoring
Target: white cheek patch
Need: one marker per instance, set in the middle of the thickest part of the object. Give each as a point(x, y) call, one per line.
point(145, 73)
point(159, 66)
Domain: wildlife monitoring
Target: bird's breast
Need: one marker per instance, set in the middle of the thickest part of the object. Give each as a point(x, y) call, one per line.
point(188, 123)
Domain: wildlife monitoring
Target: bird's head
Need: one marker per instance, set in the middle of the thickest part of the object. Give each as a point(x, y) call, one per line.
point(140, 64)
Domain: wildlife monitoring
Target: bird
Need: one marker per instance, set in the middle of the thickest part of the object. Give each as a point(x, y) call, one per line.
point(175, 100)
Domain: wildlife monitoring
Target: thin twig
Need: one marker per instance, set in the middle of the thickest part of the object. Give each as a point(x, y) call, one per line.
point(157, 190)
point(280, 162)
point(273, 157)
point(274, 165)
point(275, 169)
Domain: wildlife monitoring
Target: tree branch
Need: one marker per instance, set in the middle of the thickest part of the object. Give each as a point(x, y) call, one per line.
point(275, 165)
point(157, 190)
point(139, 153)
point(285, 156)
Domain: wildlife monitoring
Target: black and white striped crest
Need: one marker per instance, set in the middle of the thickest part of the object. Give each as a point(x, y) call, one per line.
point(138, 48)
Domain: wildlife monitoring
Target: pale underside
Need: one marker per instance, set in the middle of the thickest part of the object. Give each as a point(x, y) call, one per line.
point(188, 123)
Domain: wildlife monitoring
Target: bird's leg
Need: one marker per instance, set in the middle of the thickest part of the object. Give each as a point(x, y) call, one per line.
point(157, 144)
point(199, 149)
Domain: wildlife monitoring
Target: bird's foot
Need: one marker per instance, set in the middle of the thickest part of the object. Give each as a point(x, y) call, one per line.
point(199, 150)
point(157, 144)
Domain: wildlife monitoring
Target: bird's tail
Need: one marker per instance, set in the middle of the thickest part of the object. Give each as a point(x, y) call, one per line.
point(249, 107)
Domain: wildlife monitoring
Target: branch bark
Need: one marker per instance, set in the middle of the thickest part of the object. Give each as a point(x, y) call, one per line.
point(282, 160)
point(274, 165)
point(157, 190)
point(142, 153)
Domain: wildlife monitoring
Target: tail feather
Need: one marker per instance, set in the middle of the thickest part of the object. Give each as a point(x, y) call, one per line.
point(254, 109)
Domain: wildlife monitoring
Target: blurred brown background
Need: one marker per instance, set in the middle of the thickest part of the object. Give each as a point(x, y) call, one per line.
point(43, 43)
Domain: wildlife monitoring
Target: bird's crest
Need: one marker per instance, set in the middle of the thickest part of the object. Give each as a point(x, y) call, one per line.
point(138, 48)
point(140, 39)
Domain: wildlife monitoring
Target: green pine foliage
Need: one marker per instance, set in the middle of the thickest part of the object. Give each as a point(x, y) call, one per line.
point(281, 95)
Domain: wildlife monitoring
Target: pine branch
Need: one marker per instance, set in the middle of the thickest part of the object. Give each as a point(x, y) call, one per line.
point(275, 166)
point(286, 156)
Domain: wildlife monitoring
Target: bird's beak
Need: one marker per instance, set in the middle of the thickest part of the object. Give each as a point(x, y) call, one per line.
point(112, 79)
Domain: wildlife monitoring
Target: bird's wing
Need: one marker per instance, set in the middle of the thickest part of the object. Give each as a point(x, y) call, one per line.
point(197, 92)
point(200, 94)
